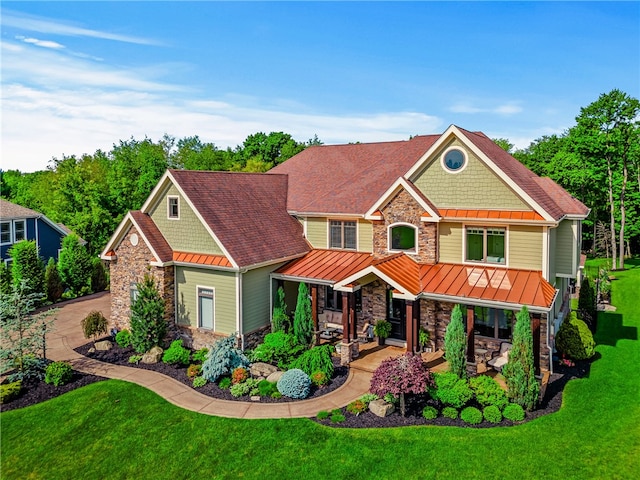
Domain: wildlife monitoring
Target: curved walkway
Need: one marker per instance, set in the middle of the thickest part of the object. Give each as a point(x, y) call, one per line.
point(67, 335)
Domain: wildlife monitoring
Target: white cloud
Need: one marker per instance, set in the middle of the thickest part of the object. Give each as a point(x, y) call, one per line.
point(510, 108)
point(42, 43)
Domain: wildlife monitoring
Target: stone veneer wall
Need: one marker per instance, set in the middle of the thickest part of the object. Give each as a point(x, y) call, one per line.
point(403, 208)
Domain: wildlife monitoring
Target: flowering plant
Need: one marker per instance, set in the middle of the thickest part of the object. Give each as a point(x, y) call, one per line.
point(567, 362)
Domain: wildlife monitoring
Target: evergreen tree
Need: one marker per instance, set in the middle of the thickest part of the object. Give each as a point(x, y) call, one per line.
point(99, 279)
point(455, 343)
point(52, 281)
point(148, 325)
point(302, 321)
point(280, 317)
point(74, 264)
point(27, 265)
point(5, 278)
point(519, 372)
point(587, 302)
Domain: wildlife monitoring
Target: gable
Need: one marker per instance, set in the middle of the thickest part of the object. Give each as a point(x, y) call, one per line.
point(476, 186)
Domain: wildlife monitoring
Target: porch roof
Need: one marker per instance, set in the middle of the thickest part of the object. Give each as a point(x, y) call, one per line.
point(326, 266)
point(201, 259)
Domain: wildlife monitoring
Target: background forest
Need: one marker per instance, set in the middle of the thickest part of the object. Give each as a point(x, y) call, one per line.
point(597, 161)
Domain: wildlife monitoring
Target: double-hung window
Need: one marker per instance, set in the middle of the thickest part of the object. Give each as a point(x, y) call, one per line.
point(485, 245)
point(342, 234)
point(19, 230)
point(173, 208)
point(5, 233)
point(205, 308)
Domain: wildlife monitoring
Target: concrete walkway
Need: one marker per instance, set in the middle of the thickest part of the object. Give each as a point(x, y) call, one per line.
point(68, 335)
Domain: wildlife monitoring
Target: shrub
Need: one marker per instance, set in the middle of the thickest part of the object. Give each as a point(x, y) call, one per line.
point(294, 383)
point(244, 388)
point(367, 398)
point(429, 412)
point(471, 415)
point(148, 325)
point(357, 407)
point(319, 379)
point(74, 264)
point(99, 279)
point(337, 417)
point(587, 302)
point(519, 372)
point(450, 390)
point(267, 388)
point(302, 321)
point(280, 318)
point(276, 394)
point(223, 358)
point(176, 354)
point(135, 358)
point(225, 383)
point(58, 373)
point(322, 414)
point(513, 412)
point(199, 382)
point(194, 370)
point(123, 338)
point(454, 344)
point(27, 265)
point(9, 391)
point(316, 359)
point(94, 324)
point(488, 391)
point(278, 348)
point(53, 283)
point(492, 414)
point(201, 355)
point(450, 412)
point(239, 375)
point(30, 367)
point(574, 339)
point(397, 376)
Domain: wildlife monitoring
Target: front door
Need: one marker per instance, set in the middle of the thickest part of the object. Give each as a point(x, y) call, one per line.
point(397, 316)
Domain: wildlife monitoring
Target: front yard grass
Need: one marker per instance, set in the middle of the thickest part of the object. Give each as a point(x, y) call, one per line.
point(114, 429)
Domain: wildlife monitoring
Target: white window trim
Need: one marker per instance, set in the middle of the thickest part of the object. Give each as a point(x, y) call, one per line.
point(24, 222)
point(169, 198)
point(8, 222)
point(414, 250)
point(485, 227)
point(342, 220)
point(444, 165)
point(199, 314)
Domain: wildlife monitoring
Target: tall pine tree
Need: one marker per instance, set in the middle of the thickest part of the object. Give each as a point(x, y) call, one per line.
point(148, 325)
point(302, 321)
point(454, 344)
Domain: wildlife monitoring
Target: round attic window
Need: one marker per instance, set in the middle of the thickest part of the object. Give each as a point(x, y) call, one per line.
point(134, 239)
point(454, 160)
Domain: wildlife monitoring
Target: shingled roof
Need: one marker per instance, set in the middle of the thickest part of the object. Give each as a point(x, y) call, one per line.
point(246, 212)
point(10, 210)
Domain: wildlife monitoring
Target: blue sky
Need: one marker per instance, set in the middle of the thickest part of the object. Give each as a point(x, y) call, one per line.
point(80, 76)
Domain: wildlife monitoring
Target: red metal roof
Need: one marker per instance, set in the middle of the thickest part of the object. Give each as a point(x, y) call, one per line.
point(200, 259)
point(328, 265)
point(490, 214)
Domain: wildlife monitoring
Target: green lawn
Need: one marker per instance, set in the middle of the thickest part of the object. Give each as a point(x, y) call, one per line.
point(117, 430)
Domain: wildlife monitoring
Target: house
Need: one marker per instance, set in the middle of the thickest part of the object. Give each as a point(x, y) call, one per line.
point(401, 231)
point(19, 223)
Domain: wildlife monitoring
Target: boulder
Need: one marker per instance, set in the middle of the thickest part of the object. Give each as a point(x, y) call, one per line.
point(381, 408)
point(274, 377)
point(260, 369)
point(153, 356)
point(103, 345)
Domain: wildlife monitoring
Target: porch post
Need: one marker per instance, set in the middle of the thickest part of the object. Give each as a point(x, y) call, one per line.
point(352, 315)
point(346, 338)
point(471, 357)
point(535, 330)
point(314, 306)
point(410, 326)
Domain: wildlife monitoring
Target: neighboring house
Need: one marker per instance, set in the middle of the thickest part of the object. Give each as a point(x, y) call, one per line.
point(19, 223)
point(395, 230)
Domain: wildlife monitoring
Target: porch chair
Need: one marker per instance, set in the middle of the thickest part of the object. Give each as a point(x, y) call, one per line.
point(500, 360)
point(366, 334)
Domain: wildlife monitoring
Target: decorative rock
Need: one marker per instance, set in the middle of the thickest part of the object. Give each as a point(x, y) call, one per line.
point(274, 377)
point(260, 369)
point(92, 350)
point(255, 398)
point(381, 408)
point(103, 345)
point(152, 356)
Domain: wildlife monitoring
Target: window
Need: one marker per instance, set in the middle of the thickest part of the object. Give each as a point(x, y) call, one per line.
point(486, 245)
point(173, 208)
point(5, 233)
point(342, 234)
point(454, 160)
point(205, 308)
point(491, 322)
point(19, 230)
point(403, 237)
point(333, 300)
point(133, 292)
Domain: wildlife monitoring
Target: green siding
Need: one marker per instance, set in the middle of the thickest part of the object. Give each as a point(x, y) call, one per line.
point(450, 242)
point(552, 255)
point(255, 298)
point(475, 187)
point(187, 234)
point(224, 285)
point(525, 247)
point(365, 236)
point(565, 244)
point(317, 232)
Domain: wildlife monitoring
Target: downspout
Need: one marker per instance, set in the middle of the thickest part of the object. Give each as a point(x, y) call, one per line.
point(239, 321)
point(551, 324)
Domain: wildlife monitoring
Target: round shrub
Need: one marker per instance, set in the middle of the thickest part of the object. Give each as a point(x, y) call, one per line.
point(58, 373)
point(513, 412)
point(9, 391)
point(294, 383)
point(199, 382)
point(450, 412)
point(357, 407)
point(224, 383)
point(574, 339)
point(322, 415)
point(123, 338)
point(488, 391)
point(429, 412)
point(450, 390)
point(267, 388)
point(201, 355)
point(194, 370)
point(319, 379)
point(94, 324)
point(471, 415)
point(239, 375)
point(177, 354)
point(492, 414)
